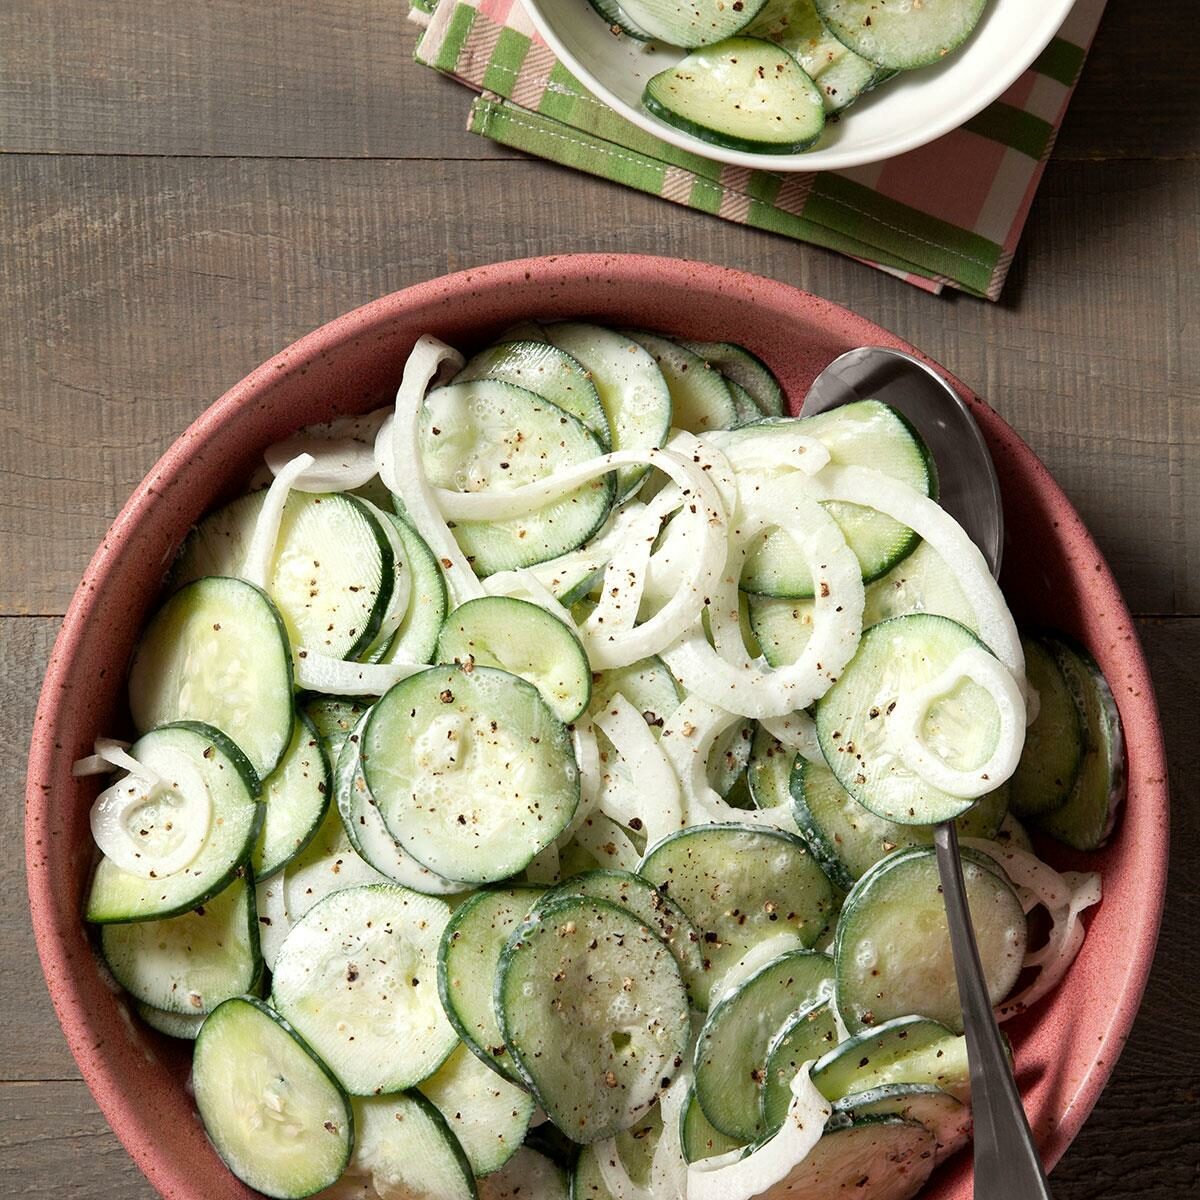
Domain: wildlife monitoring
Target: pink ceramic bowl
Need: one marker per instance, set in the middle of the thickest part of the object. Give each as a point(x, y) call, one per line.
point(1054, 575)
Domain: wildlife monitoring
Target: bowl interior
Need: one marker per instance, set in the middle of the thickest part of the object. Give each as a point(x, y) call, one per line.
point(1054, 576)
point(908, 111)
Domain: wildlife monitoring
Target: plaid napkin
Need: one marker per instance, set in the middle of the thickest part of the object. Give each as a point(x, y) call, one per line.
point(949, 213)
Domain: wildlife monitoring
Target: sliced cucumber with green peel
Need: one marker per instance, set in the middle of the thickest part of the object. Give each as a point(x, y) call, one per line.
point(405, 1147)
point(295, 799)
point(841, 75)
point(901, 36)
point(632, 389)
point(631, 1152)
point(217, 653)
point(334, 719)
point(191, 963)
point(700, 1138)
point(743, 403)
point(947, 1118)
point(1053, 751)
point(472, 772)
point(522, 639)
point(488, 1115)
point(271, 1108)
point(357, 977)
point(648, 685)
point(740, 885)
point(700, 397)
point(235, 816)
point(183, 1026)
point(865, 433)
point(416, 638)
point(594, 1012)
point(729, 757)
point(528, 1175)
point(894, 659)
point(731, 1051)
point(697, 23)
point(745, 369)
point(741, 94)
point(808, 1034)
point(1086, 819)
point(648, 904)
point(847, 839)
point(769, 770)
point(892, 950)
point(492, 436)
point(468, 958)
point(618, 20)
point(546, 371)
point(901, 1050)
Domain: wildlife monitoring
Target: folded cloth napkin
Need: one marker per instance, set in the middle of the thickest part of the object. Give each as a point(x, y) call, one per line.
point(949, 213)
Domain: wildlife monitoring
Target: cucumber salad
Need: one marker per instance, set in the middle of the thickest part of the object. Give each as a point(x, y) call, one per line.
point(533, 786)
point(764, 76)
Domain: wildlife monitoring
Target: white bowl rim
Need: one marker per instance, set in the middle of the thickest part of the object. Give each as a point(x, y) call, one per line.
point(833, 158)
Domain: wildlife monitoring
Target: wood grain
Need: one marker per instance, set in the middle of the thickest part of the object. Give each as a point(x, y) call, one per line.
point(337, 80)
point(148, 286)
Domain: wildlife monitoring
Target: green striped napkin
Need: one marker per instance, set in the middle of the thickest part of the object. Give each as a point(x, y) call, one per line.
point(950, 213)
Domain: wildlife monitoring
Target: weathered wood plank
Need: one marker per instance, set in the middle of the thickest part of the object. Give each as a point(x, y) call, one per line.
point(337, 80)
point(144, 287)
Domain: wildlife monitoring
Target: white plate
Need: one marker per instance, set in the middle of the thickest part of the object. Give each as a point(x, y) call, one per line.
point(909, 111)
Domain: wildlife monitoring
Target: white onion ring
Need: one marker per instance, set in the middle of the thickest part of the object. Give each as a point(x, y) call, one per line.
point(607, 842)
point(785, 447)
point(343, 453)
point(317, 672)
point(257, 566)
point(111, 755)
point(797, 731)
point(905, 722)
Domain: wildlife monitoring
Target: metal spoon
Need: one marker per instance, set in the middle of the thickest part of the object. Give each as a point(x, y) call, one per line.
point(1007, 1166)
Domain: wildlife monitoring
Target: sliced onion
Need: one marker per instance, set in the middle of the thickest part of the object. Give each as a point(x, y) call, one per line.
point(625, 576)
point(668, 1168)
point(906, 721)
point(257, 567)
point(592, 557)
point(170, 796)
point(399, 446)
point(343, 453)
point(653, 795)
point(797, 731)
point(740, 1176)
point(523, 583)
point(616, 1176)
point(787, 448)
point(111, 755)
point(607, 842)
point(587, 757)
point(274, 924)
point(317, 672)
point(757, 957)
point(544, 867)
point(758, 691)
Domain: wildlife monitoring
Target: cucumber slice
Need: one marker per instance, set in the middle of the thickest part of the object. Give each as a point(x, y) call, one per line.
point(473, 774)
point(528, 1175)
point(769, 770)
point(865, 433)
point(190, 963)
point(416, 639)
point(893, 658)
point(468, 958)
point(270, 1107)
point(176, 1025)
point(632, 390)
point(921, 582)
point(649, 905)
point(488, 1115)
point(892, 949)
point(743, 368)
point(357, 976)
point(1088, 816)
point(617, 20)
point(731, 1052)
point(648, 685)
point(117, 895)
point(742, 94)
point(492, 436)
point(594, 1012)
point(404, 1147)
point(700, 397)
point(522, 639)
point(740, 885)
point(699, 23)
point(807, 1035)
point(369, 835)
point(743, 402)
point(334, 718)
point(699, 1137)
point(1053, 751)
point(901, 36)
point(729, 757)
point(841, 75)
point(546, 371)
point(898, 1051)
point(948, 1119)
point(216, 652)
point(296, 796)
point(847, 839)
point(631, 1151)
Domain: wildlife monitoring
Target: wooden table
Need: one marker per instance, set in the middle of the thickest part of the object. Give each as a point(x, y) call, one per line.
point(187, 187)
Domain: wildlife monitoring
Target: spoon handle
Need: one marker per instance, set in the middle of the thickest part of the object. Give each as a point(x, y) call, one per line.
point(1007, 1166)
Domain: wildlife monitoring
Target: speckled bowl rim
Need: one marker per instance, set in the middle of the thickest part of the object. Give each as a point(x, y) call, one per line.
point(49, 757)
